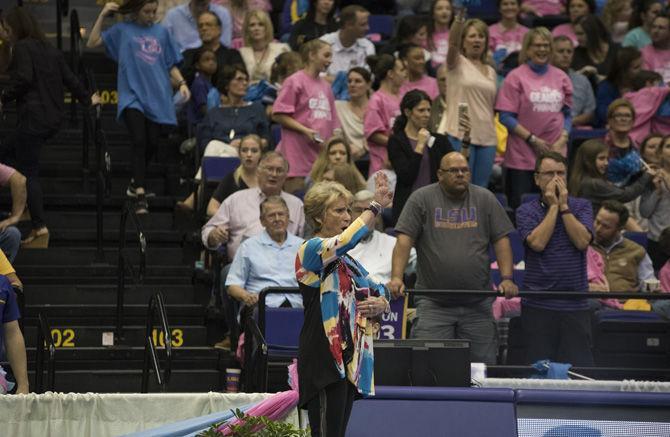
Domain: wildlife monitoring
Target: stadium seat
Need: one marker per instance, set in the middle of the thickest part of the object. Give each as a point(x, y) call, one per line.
point(638, 237)
point(214, 168)
point(382, 24)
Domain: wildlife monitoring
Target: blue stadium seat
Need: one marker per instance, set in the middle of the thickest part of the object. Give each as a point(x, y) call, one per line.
point(382, 24)
point(638, 237)
point(214, 168)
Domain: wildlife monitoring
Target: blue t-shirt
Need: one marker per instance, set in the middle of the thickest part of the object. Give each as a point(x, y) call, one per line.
point(145, 55)
point(9, 309)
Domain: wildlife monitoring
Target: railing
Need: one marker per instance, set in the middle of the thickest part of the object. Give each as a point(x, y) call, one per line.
point(61, 11)
point(124, 263)
point(544, 294)
point(44, 340)
point(75, 58)
point(156, 302)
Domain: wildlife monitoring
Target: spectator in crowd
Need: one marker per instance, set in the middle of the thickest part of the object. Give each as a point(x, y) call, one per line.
point(10, 236)
point(148, 59)
point(543, 8)
point(655, 206)
point(534, 104)
point(627, 265)
point(336, 151)
point(583, 101)
point(506, 36)
point(616, 17)
point(556, 230)
point(596, 52)
point(209, 29)
point(348, 176)
point(471, 89)
point(12, 338)
point(267, 259)
point(349, 46)
point(466, 219)
point(649, 149)
point(417, 79)
point(237, 218)
point(305, 108)
point(439, 104)
point(656, 56)
point(180, 22)
point(234, 118)
point(259, 51)
point(37, 75)
point(284, 66)
point(619, 81)
point(624, 162)
point(320, 20)
point(411, 29)
point(245, 175)
point(201, 86)
point(239, 10)
point(374, 249)
point(383, 108)
point(640, 23)
point(664, 273)
point(588, 177)
point(415, 153)
point(412, 7)
point(441, 17)
point(576, 10)
point(339, 298)
point(352, 112)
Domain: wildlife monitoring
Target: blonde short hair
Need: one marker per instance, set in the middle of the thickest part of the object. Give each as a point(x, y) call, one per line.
point(480, 26)
point(320, 197)
point(543, 33)
point(264, 18)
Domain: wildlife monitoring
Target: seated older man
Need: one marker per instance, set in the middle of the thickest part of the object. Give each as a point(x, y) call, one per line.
point(374, 250)
point(267, 259)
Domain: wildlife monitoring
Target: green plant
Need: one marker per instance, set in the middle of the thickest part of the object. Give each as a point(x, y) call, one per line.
point(259, 426)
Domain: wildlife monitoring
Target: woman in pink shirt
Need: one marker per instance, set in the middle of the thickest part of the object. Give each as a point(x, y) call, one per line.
point(383, 108)
point(471, 92)
point(417, 79)
point(534, 104)
point(441, 16)
point(506, 36)
point(305, 108)
point(576, 9)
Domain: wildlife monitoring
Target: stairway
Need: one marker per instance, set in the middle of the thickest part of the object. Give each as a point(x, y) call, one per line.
point(78, 292)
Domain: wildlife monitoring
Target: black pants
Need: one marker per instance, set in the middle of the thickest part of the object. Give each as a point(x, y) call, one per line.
point(518, 183)
point(561, 336)
point(329, 411)
point(144, 136)
point(22, 150)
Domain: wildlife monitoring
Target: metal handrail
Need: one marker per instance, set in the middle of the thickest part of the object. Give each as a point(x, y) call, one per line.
point(544, 294)
point(150, 356)
point(123, 263)
point(75, 58)
point(44, 340)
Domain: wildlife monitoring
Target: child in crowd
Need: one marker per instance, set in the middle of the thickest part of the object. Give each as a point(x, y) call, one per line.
point(336, 152)
point(441, 14)
point(506, 36)
point(417, 79)
point(205, 66)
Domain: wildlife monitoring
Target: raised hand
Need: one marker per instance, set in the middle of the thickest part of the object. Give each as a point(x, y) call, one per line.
point(383, 194)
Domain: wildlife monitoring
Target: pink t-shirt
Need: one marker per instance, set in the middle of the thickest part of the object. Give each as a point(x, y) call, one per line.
point(381, 114)
point(565, 29)
point(426, 84)
point(546, 7)
point(657, 60)
point(6, 172)
point(537, 100)
point(309, 101)
point(508, 39)
point(441, 48)
point(646, 103)
point(664, 277)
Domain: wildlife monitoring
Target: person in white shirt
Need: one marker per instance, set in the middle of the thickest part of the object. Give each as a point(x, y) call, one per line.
point(374, 251)
point(349, 45)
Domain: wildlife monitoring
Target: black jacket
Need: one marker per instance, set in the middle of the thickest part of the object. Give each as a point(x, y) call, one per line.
point(36, 76)
point(406, 164)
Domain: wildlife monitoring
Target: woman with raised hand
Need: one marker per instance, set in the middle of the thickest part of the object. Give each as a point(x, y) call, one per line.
point(148, 59)
point(335, 357)
point(37, 73)
point(471, 93)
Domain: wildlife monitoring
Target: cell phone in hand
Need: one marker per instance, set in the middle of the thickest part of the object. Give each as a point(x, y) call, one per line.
point(317, 138)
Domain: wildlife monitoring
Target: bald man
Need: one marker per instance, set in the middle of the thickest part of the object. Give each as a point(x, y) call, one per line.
point(451, 223)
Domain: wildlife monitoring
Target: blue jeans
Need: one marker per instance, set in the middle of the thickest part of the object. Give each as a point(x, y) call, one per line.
point(481, 161)
point(10, 240)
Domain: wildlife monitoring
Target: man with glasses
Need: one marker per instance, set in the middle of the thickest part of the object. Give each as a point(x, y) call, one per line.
point(237, 217)
point(180, 21)
point(452, 223)
point(556, 230)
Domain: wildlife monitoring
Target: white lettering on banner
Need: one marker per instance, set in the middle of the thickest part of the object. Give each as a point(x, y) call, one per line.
point(390, 317)
point(546, 99)
point(320, 107)
point(392, 323)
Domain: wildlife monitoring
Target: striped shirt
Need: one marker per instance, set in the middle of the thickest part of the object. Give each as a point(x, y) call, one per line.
point(560, 266)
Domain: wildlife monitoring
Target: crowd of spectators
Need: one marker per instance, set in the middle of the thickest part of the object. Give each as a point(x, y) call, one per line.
point(448, 110)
